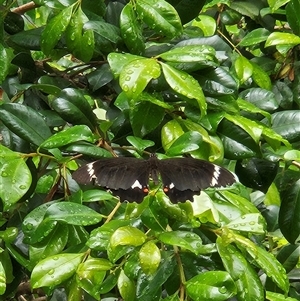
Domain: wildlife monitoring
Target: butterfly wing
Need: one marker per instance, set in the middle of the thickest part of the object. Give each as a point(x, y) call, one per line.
point(125, 177)
point(184, 177)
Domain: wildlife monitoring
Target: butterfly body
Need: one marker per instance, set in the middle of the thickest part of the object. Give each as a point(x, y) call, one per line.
point(128, 178)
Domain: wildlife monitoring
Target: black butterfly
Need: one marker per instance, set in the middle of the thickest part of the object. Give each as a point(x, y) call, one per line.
point(128, 178)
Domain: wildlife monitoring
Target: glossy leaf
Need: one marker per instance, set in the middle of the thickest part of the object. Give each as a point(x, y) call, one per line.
point(282, 38)
point(15, 177)
point(184, 84)
point(150, 257)
point(88, 149)
point(145, 117)
point(161, 16)
point(186, 143)
point(91, 273)
point(189, 53)
point(278, 297)
point(255, 96)
point(183, 239)
point(255, 37)
point(243, 69)
point(249, 286)
point(131, 30)
point(55, 269)
point(55, 28)
point(266, 261)
point(149, 286)
point(118, 61)
point(250, 223)
point(80, 42)
point(286, 124)
point(291, 13)
point(67, 136)
point(139, 143)
point(126, 287)
point(72, 213)
point(261, 77)
point(35, 227)
point(289, 217)
point(53, 244)
point(72, 106)
point(127, 235)
point(25, 122)
point(212, 285)
point(136, 75)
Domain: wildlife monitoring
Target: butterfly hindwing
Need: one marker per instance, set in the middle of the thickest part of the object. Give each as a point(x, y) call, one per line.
point(184, 178)
point(126, 177)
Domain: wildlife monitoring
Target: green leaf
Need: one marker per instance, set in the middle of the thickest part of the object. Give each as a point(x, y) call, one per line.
point(96, 195)
point(15, 177)
point(292, 17)
point(189, 53)
point(266, 261)
point(126, 287)
point(72, 106)
point(25, 122)
point(278, 297)
point(184, 84)
point(91, 273)
point(171, 131)
point(243, 68)
point(150, 257)
point(187, 142)
point(286, 123)
point(55, 269)
point(251, 108)
point(127, 235)
point(261, 77)
point(5, 58)
point(88, 149)
point(117, 61)
point(289, 217)
point(255, 95)
point(249, 286)
point(250, 223)
point(255, 37)
point(211, 286)
point(53, 244)
point(145, 117)
point(139, 143)
point(160, 16)
point(205, 22)
point(136, 75)
point(150, 285)
point(131, 30)
point(100, 237)
point(67, 136)
point(105, 30)
point(100, 77)
point(183, 239)
point(282, 38)
point(73, 213)
point(80, 42)
point(35, 227)
point(55, 28)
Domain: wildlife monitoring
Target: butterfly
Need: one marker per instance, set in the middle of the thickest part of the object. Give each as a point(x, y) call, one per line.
point(128, 178)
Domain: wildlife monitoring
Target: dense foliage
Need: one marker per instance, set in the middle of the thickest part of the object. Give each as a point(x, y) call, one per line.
point(217, 80)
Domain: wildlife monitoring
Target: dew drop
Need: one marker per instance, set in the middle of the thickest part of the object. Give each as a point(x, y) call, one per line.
point(51, 272)
point(125, 88)
point(4, 174)
point(222, 290)
point(127, 78)
point(22, 187)
point(29, 226)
